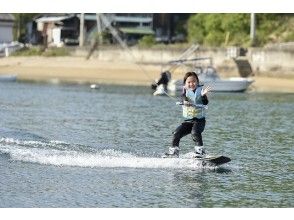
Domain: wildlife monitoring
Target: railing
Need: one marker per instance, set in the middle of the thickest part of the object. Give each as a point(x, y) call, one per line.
point(7, 48)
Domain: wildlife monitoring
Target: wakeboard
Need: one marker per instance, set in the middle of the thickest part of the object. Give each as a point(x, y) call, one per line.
point(209, 160)
point(214, 160)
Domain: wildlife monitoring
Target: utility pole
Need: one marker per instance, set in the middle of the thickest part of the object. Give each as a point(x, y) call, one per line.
point(97, 40)
point(252, 28)
point(99, 29)
point(18, 27)
point(82, 24)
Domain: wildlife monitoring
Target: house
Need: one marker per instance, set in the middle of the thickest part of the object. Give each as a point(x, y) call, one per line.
point(133, 26)
point(165, 27)
point(170, 27)
point(60, 29)
point(54, 30)
point(6, 28)
point(130, 26)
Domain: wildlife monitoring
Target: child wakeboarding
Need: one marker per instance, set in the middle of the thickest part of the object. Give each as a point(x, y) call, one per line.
point(194, 101)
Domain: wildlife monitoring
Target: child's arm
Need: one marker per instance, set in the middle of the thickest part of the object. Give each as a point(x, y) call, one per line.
point(204, 91)
point(183, 96)
point(204, 100)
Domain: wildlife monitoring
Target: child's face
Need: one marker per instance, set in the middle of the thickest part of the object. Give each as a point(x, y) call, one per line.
point(191, 83)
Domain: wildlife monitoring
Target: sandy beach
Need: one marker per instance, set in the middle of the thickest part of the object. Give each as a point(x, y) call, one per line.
point(79, 70)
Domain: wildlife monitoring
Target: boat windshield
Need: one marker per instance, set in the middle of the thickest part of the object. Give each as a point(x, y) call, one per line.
point(206, 73)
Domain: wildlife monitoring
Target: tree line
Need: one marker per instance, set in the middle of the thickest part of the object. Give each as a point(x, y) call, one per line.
point(218, 29)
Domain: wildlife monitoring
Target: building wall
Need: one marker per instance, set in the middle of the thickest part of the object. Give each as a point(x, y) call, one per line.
point(6, 32)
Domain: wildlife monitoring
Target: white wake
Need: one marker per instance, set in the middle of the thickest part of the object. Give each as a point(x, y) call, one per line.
point(42, 153)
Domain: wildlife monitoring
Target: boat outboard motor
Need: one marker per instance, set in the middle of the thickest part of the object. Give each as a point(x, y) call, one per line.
point(164, 79)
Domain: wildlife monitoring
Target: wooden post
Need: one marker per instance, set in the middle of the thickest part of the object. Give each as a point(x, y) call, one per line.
point(82, 23)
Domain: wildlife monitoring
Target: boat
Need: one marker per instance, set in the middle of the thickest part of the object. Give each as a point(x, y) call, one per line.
point(7, 78)
point(208, 76)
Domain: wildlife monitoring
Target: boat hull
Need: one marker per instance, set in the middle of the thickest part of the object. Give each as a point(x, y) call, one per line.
point(7, 78)
point(234, 84)
point(229, 85)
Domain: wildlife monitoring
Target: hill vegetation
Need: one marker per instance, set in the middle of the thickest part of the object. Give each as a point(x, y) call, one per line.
point(234, 29)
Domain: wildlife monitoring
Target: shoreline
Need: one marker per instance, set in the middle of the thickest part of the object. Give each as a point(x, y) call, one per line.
point(78, 70)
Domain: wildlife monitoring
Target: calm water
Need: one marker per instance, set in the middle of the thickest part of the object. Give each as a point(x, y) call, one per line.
point(70, 146)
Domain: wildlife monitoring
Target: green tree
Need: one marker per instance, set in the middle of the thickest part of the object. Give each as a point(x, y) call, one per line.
point(234, 29)
point(21, 19)
point(219, 29)
point(273, 28)
point(237, 27)
point(213, 27)
point(196, 28)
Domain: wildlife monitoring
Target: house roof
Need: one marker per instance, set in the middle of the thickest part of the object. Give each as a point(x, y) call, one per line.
point(7, 17)
point(133, 19)
point(120, 18)
point(53, 18)
point(136, 30)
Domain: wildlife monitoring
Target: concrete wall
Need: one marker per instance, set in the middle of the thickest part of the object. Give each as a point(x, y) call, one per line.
point(277, 62)
point(272, 61)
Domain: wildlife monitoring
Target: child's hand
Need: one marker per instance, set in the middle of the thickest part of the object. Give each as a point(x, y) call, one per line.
point(186, 103)
point(204, 91)
point(186, 88)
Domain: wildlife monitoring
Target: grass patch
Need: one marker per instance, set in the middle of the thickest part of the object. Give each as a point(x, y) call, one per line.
point(56, 52)
point(38, 51)
point(34, 51)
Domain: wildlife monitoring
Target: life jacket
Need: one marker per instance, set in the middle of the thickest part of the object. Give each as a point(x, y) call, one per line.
point(190, 112)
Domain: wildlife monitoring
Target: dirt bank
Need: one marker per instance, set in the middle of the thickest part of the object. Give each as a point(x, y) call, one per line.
point(79, 70)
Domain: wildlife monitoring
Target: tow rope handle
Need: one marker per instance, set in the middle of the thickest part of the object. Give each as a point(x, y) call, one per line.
point(198, 106)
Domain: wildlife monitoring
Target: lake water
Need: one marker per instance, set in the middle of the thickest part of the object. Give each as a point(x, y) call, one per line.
point(70, 146)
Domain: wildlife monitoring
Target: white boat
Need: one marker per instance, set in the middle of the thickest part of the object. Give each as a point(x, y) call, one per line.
point(7, 78)
point(208, 76)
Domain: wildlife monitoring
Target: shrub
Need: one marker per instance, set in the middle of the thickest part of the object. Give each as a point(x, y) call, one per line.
point(147, 41)
point(26, 51)
point(54, 52)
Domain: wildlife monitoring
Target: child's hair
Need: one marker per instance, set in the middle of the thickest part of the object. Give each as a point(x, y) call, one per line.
point(188, 74)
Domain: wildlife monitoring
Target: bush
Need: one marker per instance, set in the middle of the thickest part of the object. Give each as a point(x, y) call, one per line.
point(147, 41)
point(214, 38)
point(289, 37)
point(38, 51)
point(54, 52)
point(26, 51)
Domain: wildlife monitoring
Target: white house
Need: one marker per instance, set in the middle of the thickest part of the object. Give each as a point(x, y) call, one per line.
point(6, 28)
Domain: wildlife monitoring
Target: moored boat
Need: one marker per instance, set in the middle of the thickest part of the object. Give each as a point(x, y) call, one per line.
point(8, 78)
point(208, 76)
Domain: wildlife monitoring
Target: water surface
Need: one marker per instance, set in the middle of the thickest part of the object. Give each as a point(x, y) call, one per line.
point(70, 146)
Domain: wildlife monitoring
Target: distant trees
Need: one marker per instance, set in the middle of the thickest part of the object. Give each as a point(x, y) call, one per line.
point(234, 29)
point(272, 28)
point(21, 19)
point(218, 29)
